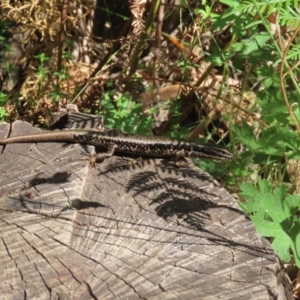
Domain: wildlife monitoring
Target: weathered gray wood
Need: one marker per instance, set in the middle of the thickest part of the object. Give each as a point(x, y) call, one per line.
point(123, 230)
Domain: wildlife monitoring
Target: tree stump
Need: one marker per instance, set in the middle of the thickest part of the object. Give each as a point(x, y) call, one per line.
point(125, 229)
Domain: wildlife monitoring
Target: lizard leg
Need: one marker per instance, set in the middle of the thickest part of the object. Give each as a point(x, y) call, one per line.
point(180, 161)
point(110, 152)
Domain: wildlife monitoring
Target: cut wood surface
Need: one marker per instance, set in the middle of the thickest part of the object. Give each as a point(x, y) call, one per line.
point(126, 229)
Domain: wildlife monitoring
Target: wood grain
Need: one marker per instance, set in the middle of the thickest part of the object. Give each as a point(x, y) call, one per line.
point(126, 229)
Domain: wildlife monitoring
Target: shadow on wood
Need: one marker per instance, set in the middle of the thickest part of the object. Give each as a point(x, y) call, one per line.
point(126, 229)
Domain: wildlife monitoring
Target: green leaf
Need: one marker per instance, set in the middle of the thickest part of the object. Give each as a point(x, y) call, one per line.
point(281, 245)
point(250, 192)
point(282, 242)
point(272, 141)
point(266, 228)
point(261, 38)
point(245, 135)
point(274, 216)
point(218, 58)
point(292, 201)
point(264, 187)
point(271, 204)
point(124, 114)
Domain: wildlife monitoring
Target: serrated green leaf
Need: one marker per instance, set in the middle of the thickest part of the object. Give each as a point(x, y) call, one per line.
point(264, 187)
point(281, 245)
point(261, 38)
point(292, 201)
point(250, 192)
point(237, 29)
point(245, 135)
point(273, 206)
point(285, 234)
point(251, 207)
point(262, 215)
point(281, 192)
point(266, 228)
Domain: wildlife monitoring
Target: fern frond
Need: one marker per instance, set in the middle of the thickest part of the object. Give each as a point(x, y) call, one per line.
point(294, 53)
point(289, 15)
point(252, 6)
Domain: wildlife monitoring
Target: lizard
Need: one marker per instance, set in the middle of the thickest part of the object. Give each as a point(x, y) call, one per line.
point(115, 140)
